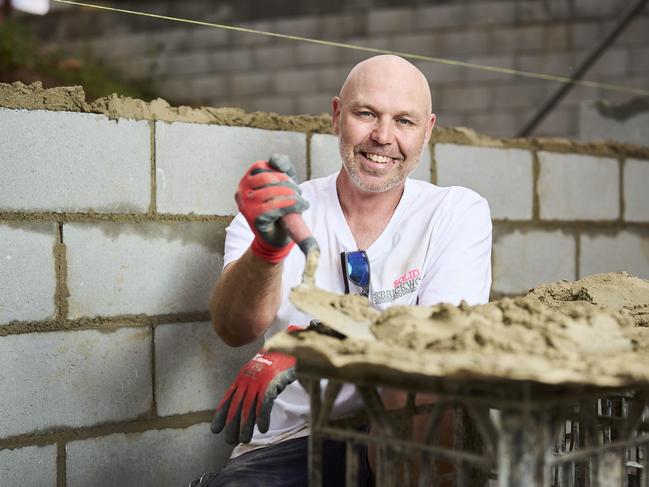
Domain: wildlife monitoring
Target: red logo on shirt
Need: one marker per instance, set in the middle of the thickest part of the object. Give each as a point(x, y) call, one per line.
point(408, 276)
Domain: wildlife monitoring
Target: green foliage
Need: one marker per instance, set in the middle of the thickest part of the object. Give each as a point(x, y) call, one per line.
point(21, 58)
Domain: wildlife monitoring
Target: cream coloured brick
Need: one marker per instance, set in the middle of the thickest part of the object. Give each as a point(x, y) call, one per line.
point(502, 176)
point(63, 161)
point(27, 282)
point(568, 182)
point(32, 465)
point(623, 251)
point(150, 268)
point(73, 379)
point(164, 458)
point(636, 196)
point(199, 166)
point(523, 260)
point(194, 367)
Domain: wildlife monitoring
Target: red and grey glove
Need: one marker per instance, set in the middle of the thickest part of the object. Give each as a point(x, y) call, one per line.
point(266, 193)
point(250, 398)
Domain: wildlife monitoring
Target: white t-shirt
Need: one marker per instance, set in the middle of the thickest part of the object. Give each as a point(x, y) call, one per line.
point(436, 248)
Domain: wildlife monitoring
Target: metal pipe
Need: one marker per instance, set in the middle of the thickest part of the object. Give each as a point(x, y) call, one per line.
point(592, 56)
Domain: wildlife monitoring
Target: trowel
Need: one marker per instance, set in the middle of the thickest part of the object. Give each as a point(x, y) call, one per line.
point(349, 315)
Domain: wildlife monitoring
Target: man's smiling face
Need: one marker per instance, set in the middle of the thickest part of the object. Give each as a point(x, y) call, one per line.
point(383, 119)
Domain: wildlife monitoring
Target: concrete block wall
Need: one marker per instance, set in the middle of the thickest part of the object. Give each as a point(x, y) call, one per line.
point(111, 237)
point(203, 65)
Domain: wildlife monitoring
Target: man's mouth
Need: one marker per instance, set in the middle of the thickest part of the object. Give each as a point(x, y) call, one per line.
point(377, 158)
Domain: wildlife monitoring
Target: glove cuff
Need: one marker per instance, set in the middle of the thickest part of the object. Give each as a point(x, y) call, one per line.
point(267, 252)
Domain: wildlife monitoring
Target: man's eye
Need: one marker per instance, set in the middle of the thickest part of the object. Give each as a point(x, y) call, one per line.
point(405, 121)
point(365, 113)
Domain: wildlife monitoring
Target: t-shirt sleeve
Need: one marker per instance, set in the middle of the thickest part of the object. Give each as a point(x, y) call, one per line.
point(238, 238)
point(460, 258)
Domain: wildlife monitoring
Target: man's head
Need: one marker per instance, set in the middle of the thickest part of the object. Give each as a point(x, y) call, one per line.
point(383, 118)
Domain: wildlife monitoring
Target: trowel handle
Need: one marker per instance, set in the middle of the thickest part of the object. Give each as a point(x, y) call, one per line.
point(294, 225)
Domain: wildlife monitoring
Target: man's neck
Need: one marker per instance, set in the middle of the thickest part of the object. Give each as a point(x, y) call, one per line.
point(367, 214)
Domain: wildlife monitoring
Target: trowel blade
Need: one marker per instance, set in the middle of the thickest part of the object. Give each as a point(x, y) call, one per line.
point(350, 315)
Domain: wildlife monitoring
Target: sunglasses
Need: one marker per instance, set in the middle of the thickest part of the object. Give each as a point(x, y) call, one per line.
point(356, 269)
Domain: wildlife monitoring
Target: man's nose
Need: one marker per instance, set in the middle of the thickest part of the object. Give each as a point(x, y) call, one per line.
point(382, 133)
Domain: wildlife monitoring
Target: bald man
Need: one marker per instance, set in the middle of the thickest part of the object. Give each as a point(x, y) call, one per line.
point(424, 245)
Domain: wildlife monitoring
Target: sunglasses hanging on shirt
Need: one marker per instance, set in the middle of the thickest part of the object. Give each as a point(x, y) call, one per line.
point(356, 271)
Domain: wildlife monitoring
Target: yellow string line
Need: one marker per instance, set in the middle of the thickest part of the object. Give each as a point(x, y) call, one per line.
point(417, 57)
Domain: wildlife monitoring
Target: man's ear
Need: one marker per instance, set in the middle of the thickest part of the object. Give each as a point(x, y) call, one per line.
point(335, 110)
point(429, 126)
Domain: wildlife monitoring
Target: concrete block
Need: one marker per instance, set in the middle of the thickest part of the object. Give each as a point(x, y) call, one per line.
point(502, 176)
point(422, 171)
point(586, 34)
point(28, 278)
point(464, 98)
point(337, 26)
point(501, 61)
point(314, 104)
point(568, 183)
point(613, 62)
point(32, 465)
point(194, 62)
point(274, 56)
point(589, 8)
point(250, 83)
point(194, 367)
point(231, 60)
point(530, 37)
point(325, 155)
point(523, 260)
point(295, 81)
point(284, 104)
point(637, 32)
point(618, 122)
point(561, 64)
point(475, 13)
point(308, 54)
point(389, 20)
point(150, 268)
point(249, 38)
point(495, 123)
point(419, 43)
point(164, 458)
point(297, 26)
point(621, 251)
point(442, 73)
point(637, 63)
point(218, 157)
point(560, 122)
point(73, 379)
point(204, 87)
point(636, 197)
point(463, 42)
point(206, 37)
point(377, 42)
point(331, 79)
point(63, 161)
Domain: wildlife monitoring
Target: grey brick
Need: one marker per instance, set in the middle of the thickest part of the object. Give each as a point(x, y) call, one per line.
point(194, 367)
point(250, 83)
point(502, 176)
point(250, 38)
point(559, 123)
point(464, 98)
point(274, 56)
point(62, 161)
point(622, 251)
point(547, 10)
point(206, 37)
point(331, 79)
point(342, 25)
point(442, 73)
point(464, 14)
point(164, 458)
point(282, 104)
point(499, 61)
point(590, 8)
point(151, 268)
point(450, 44)
point(196, 62)
point(586, 34)
point(295, 81)
point(530, 37)
point(496, 124)
point(562, 64)
point(523, 260)
point(356, 56)
point(636, 33)
point(567, 183)
point(422, 171)
point(32, 465)
point(314, 104)
point(204, 87)
point(614, 62)
point(325, 155)
point(73, 379)
point(308, 54)
point(425, 44)
point(298, 26)
point(389, 20)
point(636, 197)
point(27, 269)
point(638, 62)
point(219, 157)
point(231, 60)
point(520, 94)
point(595, 124)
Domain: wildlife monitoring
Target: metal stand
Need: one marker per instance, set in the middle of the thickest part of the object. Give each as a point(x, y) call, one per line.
point(510, 434)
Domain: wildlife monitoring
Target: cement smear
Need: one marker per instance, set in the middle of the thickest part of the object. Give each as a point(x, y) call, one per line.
point(590, 332)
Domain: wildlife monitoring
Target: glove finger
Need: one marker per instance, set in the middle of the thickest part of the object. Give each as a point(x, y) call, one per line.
point(222, 409)
point(269, 193)
point(248, 420)
point(281, 162)
point(274, 389)
point(267, 180)
point(232, 427)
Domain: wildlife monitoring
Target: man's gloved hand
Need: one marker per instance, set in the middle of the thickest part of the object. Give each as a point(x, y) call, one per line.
point(250, 398)
point(266, 193)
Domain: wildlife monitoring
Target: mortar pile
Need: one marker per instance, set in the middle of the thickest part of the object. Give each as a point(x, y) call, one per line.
point(590, 332)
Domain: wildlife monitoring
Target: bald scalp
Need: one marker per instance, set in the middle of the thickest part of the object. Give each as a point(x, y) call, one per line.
point(384, 66)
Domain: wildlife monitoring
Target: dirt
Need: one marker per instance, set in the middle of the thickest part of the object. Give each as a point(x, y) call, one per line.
point(590, 332)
